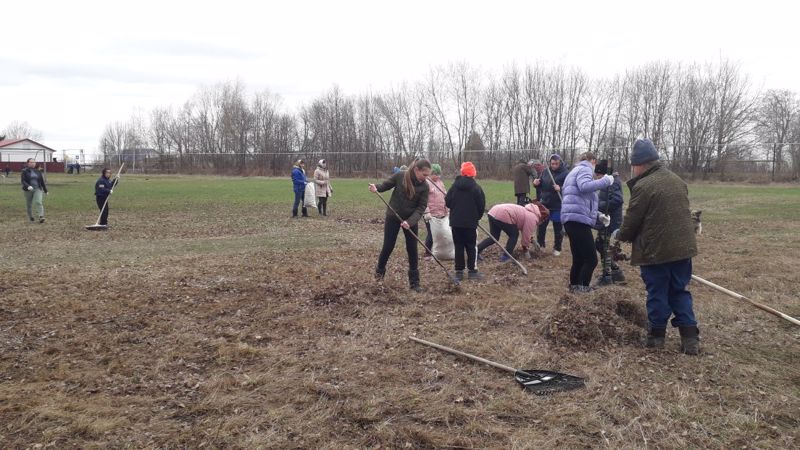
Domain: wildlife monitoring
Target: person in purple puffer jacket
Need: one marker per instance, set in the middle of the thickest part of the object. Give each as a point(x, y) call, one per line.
point(579, 215)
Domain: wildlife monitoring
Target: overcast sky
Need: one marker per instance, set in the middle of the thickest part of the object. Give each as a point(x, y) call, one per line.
point(68, 68)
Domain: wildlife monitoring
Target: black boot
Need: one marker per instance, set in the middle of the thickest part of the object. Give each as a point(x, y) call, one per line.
point(690, 340)
point(656, 338)
point(380, 272)
point(413, 281)
point(459, 275)
point(305, 212)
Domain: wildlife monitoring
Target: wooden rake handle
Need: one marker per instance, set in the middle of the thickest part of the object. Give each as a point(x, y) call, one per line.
point(737, 296)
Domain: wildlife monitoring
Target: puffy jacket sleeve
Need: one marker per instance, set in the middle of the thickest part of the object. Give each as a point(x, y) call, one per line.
point(634, 216)
point(527, 229)
point(586, 183)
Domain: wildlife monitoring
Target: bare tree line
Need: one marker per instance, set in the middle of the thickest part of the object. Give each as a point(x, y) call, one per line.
point(703, 118)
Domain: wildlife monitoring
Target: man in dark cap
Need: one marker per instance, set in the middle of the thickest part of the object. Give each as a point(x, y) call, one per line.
point(659, 224)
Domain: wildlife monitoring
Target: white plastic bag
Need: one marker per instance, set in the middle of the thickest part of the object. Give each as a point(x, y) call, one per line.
point(310, 196)
point(443, 247)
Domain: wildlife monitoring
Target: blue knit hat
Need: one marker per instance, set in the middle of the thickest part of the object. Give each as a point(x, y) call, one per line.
point(643, 152)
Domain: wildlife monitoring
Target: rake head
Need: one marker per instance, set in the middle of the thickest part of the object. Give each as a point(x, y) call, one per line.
point(545, 382)
point(97, 227)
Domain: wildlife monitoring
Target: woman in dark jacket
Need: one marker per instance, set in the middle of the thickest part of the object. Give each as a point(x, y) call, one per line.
point(299, 185)
point(466, 202)
point(103, 187)
point(34, 187)
point(409, 199)
point(549, 188)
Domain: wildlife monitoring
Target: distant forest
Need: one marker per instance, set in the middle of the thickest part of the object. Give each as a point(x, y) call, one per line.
point(704, 118)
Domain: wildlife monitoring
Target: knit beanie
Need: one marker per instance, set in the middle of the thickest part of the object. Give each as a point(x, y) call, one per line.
point(468, 169)
point(436, 169)
point(643, 152)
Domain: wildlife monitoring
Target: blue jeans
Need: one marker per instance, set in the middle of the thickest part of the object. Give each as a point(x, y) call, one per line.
point(298, 200)
point(667, 294)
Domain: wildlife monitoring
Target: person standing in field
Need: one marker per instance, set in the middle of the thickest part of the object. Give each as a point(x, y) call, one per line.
point(34, 188)
point(658, 222)
point(299, 185)
point(611, 201)
point(436, 205)
point(579, 214)
point(323, 186)
point(466, 202)
point(103, 187)
point(512, 220)
point(522, 172)
point(549, 185)
point(409, 199)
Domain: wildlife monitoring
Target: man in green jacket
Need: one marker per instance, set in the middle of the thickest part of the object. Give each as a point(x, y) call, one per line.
point(659, 224)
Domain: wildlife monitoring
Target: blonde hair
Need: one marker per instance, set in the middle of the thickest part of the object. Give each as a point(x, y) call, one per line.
point(587, 156)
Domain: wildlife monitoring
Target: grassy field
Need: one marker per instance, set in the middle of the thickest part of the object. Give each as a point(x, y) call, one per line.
point(208, 318)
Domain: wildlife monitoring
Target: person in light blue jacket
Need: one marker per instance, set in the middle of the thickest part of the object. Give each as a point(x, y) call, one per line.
point(579, 214)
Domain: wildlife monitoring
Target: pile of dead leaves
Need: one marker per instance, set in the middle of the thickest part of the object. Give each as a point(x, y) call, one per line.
point(600, 319)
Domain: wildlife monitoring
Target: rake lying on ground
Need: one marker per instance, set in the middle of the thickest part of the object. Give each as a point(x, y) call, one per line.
point(540, 382)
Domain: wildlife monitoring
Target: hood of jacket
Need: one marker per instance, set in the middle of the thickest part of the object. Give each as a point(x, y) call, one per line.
point(463, 183)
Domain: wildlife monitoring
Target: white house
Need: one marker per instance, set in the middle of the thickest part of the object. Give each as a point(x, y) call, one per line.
point(14, 153)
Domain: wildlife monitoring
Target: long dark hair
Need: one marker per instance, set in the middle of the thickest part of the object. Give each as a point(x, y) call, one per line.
point(408, 184)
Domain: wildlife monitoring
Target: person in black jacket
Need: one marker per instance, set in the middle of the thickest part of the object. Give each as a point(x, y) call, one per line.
point(102, 189)
point(466, 202)
point(409, 199)
point(34, 187)
point(549, 186)
point(610, 203)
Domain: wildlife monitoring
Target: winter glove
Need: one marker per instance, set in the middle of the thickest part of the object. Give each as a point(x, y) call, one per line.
point(30, 188)
point(614, 235)
point(426, 217)
point(609, 179)
point(604, 219)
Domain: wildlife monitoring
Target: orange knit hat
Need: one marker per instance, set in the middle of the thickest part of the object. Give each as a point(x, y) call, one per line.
point(468, 169)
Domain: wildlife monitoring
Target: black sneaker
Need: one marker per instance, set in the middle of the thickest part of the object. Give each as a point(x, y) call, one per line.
point(459, 275)
point(474, 275)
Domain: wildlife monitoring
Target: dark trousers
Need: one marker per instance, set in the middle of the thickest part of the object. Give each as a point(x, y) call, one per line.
point(428, 237)
point(584, 257)
point(322, 205)
point(298, 200)
point(495, 227)
point(391, 228)
point(557, 230)
point(522, 199)
point(104, 212)
point(464, 239)
point(667, 295)
point(598, 244)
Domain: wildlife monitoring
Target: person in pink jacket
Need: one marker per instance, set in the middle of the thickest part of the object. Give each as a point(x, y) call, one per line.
point(512, 219)
point(436, 207)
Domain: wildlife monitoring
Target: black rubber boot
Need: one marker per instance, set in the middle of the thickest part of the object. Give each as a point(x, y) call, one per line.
point(656, 338)
point(413, 281)
point(690, 340)
point(305, 212)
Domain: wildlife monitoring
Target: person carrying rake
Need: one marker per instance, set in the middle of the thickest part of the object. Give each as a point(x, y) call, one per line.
point(409, 200)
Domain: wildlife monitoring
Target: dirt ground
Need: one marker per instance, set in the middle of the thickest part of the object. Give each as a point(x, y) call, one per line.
point(272, 333)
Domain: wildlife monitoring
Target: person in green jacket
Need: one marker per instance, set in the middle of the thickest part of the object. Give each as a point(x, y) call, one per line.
point(409, 199)
point(658, 222)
